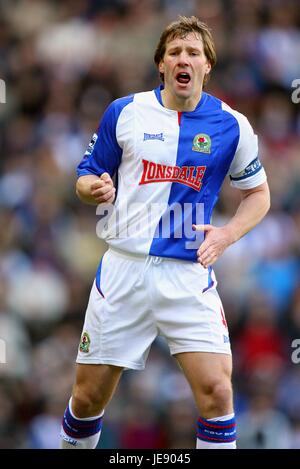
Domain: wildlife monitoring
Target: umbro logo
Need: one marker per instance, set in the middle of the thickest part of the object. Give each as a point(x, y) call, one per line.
point(154, 137)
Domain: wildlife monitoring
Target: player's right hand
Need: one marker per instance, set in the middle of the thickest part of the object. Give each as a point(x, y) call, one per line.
point(103, 190)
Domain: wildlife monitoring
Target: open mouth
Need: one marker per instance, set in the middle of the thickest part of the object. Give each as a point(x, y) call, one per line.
point(183, 77)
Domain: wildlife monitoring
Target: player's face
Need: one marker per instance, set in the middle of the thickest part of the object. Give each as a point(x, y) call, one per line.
point(184, 66)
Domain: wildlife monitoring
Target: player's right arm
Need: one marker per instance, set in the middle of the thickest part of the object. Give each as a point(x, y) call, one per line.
point(95, 190)
point(100, 162)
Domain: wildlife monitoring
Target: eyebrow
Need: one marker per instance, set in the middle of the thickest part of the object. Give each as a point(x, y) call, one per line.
point(190, 48)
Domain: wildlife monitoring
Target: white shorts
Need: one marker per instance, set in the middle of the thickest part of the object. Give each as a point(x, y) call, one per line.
point(136, 298)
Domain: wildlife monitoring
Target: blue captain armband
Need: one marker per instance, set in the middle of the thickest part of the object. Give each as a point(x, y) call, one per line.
point(249, 171)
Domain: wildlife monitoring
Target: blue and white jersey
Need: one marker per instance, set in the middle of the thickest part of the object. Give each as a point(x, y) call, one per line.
point(169, 167)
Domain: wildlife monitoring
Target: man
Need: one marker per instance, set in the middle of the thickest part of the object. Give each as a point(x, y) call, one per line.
point(169, 148)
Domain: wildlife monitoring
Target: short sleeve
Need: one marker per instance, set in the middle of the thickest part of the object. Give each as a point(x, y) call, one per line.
point(246, 170)
point(104, 153)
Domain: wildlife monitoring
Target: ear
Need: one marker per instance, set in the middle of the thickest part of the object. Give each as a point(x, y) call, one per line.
point(161, 67)
point(208, 68)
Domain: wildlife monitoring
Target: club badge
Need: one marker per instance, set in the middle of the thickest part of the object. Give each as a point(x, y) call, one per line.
point(202, 143)
point(85, 342)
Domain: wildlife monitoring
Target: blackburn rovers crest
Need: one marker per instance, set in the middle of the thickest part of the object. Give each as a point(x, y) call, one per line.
point(85, 342)
point(202, 143)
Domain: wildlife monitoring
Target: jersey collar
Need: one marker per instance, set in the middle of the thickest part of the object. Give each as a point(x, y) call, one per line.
point(158, 90)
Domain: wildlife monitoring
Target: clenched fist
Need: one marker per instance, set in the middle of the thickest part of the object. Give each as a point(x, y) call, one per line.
point(95, 190)
point(103, 190)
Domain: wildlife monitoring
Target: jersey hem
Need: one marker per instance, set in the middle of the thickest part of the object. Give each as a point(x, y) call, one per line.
point(143, 257)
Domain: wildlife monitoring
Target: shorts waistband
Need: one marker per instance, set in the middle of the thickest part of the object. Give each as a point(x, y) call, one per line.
point(144, 257)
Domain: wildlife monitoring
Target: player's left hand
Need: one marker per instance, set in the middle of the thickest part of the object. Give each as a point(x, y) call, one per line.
point(216, 240)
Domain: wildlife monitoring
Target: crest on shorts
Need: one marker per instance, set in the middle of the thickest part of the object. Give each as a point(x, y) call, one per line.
point(202, 143)
point(85, 342)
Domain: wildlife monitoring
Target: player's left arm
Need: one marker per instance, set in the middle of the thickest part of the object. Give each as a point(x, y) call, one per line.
point(254, 205)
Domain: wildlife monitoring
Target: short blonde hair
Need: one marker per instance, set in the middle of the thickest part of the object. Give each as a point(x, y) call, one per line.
point(181, 28)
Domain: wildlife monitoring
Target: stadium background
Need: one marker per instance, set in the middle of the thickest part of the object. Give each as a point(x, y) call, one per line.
point(63, 62)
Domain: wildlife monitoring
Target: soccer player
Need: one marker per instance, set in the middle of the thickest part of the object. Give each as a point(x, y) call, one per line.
point(169, 150)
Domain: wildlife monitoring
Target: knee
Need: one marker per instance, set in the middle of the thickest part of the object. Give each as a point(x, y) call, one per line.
point(221, 392)
point(86, 401)
point(217, 398)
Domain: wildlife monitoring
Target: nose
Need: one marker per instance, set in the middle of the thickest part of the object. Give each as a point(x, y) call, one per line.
point(183, 58)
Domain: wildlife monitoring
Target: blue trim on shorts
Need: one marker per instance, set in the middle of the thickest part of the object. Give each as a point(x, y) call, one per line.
point(98, 278)
point(210, 280)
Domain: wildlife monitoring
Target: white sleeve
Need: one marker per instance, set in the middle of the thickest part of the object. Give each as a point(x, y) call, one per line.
point(246, 170)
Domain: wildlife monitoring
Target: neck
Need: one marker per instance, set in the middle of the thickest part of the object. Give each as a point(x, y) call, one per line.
point(176, 103)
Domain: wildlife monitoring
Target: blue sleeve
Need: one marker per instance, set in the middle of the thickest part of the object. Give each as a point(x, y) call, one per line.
point(103, 153)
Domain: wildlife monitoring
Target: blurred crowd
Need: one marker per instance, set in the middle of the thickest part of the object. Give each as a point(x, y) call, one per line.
point(63, 62)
